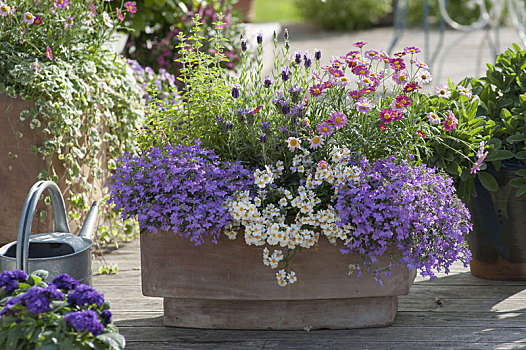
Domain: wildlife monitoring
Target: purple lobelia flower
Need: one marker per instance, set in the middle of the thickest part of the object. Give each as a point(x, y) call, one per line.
point(85, 321)
point(37, 299)
point(65, 282)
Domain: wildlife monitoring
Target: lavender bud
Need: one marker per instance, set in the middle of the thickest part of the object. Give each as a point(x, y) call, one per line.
point(297, 59)
point(285, 108)
point(259, 39)
point(274, 35)
point(287, 46)
point(235, 92)
point(286, 34)
point(263, 137)
point(243, 45)
point(285, 73)
point(268, 82)
point(317, 55)
point(307, 60)
point(229, 125)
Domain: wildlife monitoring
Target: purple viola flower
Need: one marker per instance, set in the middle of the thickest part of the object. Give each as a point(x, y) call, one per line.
point(85, 295)
point(85, 321)
point(65, 282)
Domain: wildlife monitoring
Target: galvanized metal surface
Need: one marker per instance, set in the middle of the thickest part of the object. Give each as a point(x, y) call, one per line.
point(58, 252)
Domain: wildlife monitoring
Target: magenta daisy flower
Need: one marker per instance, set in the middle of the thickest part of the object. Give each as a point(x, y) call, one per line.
point(398, 106)
point(361, 70)
point(328, 84)
point(338, 119)
point(397, 63)
point(316, 90)
point(29, 18)
point(316, 142)
point(335, 72)
point(451, 122)
point(381, 126)
point(421, 134)
point(49, 53)
point(443, 91)
point(364, 105)
point(62, 4)
point(355, 94)
point(368, 90)
point(411, 50)
point(420, 64)
point(399, 54)
point(404, 100)
point(325, 129)
point(387, 115)
point(130, 6)
point(38, 21)
point(413, 86)
point(360, 44)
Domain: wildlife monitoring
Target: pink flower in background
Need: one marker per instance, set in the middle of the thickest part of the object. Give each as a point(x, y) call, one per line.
point(29, 18)
point(443, 91)
point(38, 21)
point(451, 122)
point(130, 7)
point(62, 4)
point(92, 8)
point(411, 50)
point(338, 119)
point(325, 129)
point(387, 115)
point(49, 53)
point(360, 44)
point(364, 105)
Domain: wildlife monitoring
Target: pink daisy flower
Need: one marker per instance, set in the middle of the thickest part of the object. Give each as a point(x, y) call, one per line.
point(400, 77)
point(424, 76)
point(325, 129)
point(361, 70)
point(29, 18)
point(316, 142)
point(62, 4)
point(411, 50)
point(381, 126)
point(397, 63)
point(372, 54)
point(68, 22)
point(316, 90)
point(360, 44)
point(293, 143)
point(433, 118)
point(443, 91)
point(335, 72)
point(413, 86)
point(387, 115)
point(38, 21)
point(338, 119)
point(421, 134)
point(49, 53)
point(404, 100)
point(355, 94)
point(451, 122)
point(463, 91)
point(364, 105)
point(130, 6)
point(420, 64)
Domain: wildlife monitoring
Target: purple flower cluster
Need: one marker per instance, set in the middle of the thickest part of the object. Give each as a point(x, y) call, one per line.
point(412, 208)
point(162, 83)
point(36, 300)
point(85, 295)
point(85, 320)
point(65, 282)
point(10, 279)
point(181, 188)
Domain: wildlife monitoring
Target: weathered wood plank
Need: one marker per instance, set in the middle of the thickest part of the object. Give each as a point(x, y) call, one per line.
point(324, 338)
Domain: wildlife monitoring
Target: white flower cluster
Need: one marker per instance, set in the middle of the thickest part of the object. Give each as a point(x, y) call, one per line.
point(269, 223)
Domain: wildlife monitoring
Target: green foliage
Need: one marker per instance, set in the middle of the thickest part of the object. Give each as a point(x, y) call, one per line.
point(461, 11)
point(87, 110)
point(204, 96)
point(502, 93)
point(344, 14)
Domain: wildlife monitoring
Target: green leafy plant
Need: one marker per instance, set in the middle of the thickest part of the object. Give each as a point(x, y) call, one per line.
point(59, 315)
point(344, 14)
point(502, 93)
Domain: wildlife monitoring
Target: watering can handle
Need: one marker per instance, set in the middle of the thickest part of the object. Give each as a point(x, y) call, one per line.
point(24, 227)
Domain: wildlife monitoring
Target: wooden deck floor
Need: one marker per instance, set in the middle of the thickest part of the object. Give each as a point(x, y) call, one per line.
point(457, 311)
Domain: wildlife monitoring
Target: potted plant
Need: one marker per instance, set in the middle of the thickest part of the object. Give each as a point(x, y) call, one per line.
point(498, 241)
point(312, 179)
point(69, 105)
point(62, 314)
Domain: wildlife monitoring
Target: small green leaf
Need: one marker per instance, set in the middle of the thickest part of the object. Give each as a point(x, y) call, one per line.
point(520, 191)
point(488, 181)
point(516, 138)
point(501, 154)
point(520, 155)
point(113, 340)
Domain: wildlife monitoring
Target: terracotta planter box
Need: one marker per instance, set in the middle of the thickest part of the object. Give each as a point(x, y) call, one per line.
point(226, 286)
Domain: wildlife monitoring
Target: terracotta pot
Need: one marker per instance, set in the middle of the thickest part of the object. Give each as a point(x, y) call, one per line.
point(18, 175)
point(226, 286)
point(246, 9)
point(498, 240)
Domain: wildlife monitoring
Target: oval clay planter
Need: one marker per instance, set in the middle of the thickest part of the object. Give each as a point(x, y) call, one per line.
point(226, 286)
point(498, 239)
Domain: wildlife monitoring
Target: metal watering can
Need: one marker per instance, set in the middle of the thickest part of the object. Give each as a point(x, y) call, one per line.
point(58, 252)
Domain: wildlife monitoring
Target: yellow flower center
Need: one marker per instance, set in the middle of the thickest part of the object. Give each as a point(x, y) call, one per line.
point(372, 53)
point(316, 140)
point(367, 81)
point(325, 129)
point(5, 8)
point(317, 91)
point(442, 92)
point(293, 142)
point(399, 105)
point(401, 78)
point(362, 72)
point(338, 120)
point(449, 122)
point(29, 16)
point(386, 116)
point(345, 79)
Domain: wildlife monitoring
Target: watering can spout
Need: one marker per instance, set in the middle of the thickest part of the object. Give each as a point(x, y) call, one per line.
point(89, 224)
